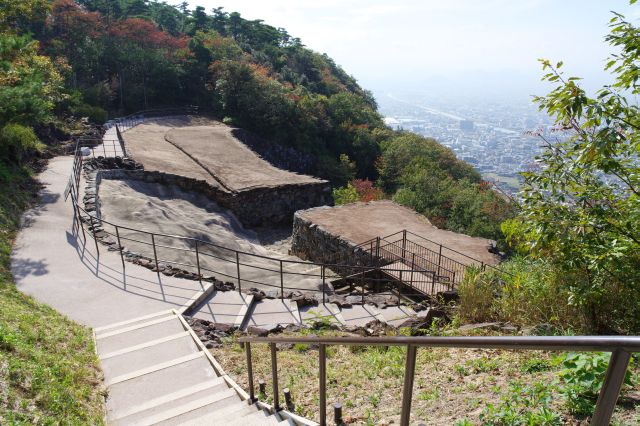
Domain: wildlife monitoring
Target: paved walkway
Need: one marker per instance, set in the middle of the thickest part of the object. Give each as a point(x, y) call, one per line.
point(53, 265)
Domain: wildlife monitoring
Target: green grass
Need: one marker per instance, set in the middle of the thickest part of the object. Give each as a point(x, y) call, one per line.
point(48, 368)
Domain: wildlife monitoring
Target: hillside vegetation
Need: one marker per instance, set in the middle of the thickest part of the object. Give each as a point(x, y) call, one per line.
point(107, 58)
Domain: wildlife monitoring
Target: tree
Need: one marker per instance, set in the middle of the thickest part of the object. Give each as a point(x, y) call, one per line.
point(581, 209)
point(141, 49)
point(22, 16)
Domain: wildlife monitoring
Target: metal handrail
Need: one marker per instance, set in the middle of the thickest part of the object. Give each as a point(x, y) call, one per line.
point(94, 220)
point(389, 243)
point(620, 348)
point(200, 244)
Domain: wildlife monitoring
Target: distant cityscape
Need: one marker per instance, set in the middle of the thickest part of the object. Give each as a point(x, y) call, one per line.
point(489, 135)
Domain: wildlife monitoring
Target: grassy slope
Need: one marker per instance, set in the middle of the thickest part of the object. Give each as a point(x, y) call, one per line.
point(48, 369)
point(450, 384)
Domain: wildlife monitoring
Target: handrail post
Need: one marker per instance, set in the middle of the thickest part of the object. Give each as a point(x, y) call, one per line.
point(433, 284)
point(323, 383)
point(404, 243)
point(252, 396)
point(93, 230)
point(377, 248)
point(84, 236)
point(120, 248)
point(198, 264)
point(281, 282)
point(362, 285)
point(413, 267)
point(274, 375)
point(611, 386)
point(238, 270)
point(155, 253)
point(371, 252)
point(439, 258)
point(324, 284)
point(407, 390)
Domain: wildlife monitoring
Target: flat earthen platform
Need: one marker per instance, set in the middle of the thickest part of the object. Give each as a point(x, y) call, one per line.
point(205, 149)
point(358, 222)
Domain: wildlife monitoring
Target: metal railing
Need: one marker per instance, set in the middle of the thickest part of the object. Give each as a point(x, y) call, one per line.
point(448, 272)
point(208, 260)
point(620, 348)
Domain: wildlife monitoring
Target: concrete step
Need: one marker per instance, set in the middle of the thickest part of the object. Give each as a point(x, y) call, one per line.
point(173, 400)
point(396, 315)
point(221, 416)
point(257, 418)
point(133, 321)
point(323, 312)
point(137, 391)
point(134, 360)
point(360, 315)
point(125, 337)
point(268, 313)
point(226, 307)
point(192, 409)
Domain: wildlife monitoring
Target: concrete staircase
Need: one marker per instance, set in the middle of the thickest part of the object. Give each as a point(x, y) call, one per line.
point(158, 373)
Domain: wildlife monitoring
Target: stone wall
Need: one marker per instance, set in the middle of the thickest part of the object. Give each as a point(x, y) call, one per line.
point(312, 242)
point(253, 207)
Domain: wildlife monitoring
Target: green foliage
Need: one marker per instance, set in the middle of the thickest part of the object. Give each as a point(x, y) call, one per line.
point(16, 141)
point(126, 55)
point(427, 177)
point(528, 292)
point(523, 405)
point(95, 114)
point(30, 84)
point(581, 209)
point(582, 378)
point(345, 195)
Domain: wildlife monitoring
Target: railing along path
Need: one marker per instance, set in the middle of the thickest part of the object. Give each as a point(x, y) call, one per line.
point(621, 349)
point(230, 263)
point(400, 247)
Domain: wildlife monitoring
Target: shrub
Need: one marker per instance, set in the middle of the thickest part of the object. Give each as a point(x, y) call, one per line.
point(17, 140)
point(345, 195)
point(95, 114)
point(523, 405)
point(582, 378)
point(528, 293)
point(476, 297)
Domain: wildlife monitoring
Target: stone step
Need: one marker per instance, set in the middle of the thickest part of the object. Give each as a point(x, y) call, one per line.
point(133, 321)
point(224, 307)
point(396, 315)
point(137, 334)
point(323, 312)
point(191, 409)
point(220, 416)
point(149, 356)
point(139, 390)
point(257, 418)
point(173, 400)
point(359, 315)
point(268, 313)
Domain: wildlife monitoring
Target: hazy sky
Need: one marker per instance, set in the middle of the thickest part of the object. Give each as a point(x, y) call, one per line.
point(446, 45)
